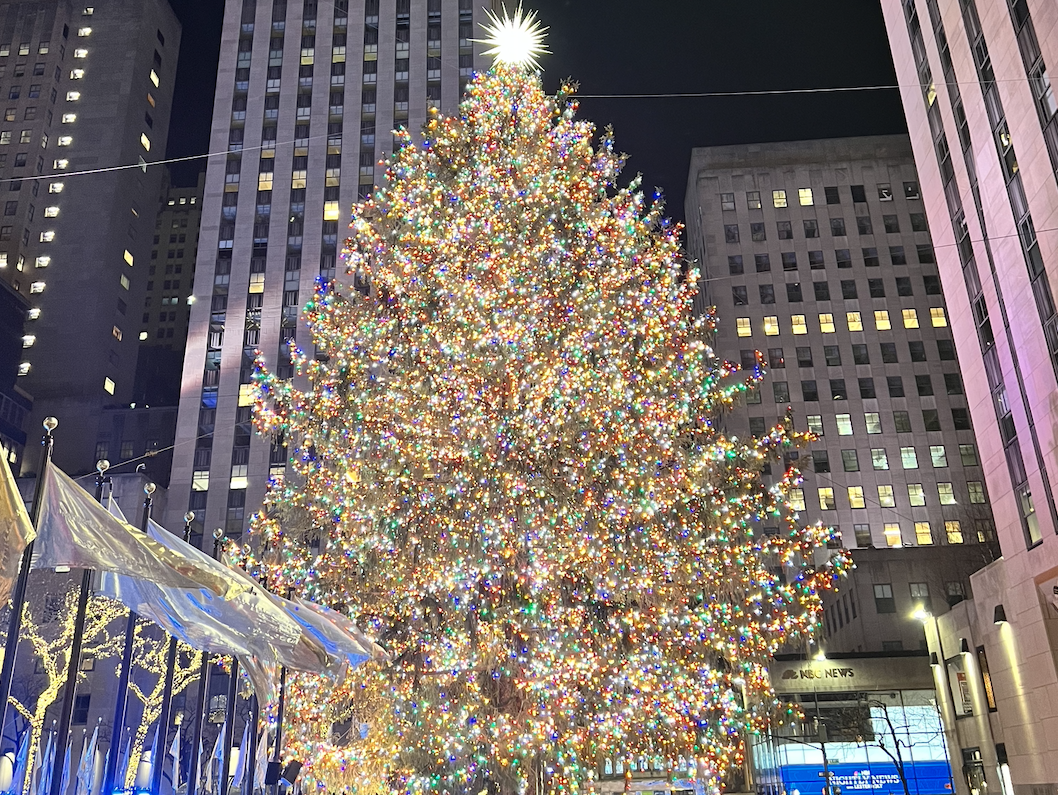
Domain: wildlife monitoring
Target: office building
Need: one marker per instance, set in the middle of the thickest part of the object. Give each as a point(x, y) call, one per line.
point(308, 94)
point(14, 403)
point(818, 255)
point(976, 84)
point(87, 88)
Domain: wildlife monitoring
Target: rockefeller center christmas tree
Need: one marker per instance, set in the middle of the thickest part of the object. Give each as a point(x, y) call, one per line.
point(507, 468)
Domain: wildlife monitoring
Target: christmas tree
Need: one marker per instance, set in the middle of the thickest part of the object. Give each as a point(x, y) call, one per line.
point(508, 468)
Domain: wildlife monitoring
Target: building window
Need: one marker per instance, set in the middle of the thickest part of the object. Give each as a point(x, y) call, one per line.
point(937, 317)
point(874, 422)
point(883, 598)
point(778, 198)
point(799, 324)
point(856, 499)
point(916, 494)
point(826, 499)
point(902, 421)
point(743, 327)
point(797, 499)
point(734, 265)
point(81, 704)
point(850, 461)
point(938, 455)
point(953, 531)
point(809, 391)
point(881, 320)
point(977, 491)
point(753, 199)
point(893, 537)
point(727, 201)
point(771, 325)
point(108, 385)
point(923, 535)
point(844, 422)
point(815, 424)
point(910, 318)
point(804, 197)
point(731, 233)
point(879, 458)
point(886, 497)
point(854, 320)
point(837, 227)
point(946, 493)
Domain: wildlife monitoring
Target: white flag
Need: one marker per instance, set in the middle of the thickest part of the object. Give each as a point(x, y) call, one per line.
point(16, 531)
point(244, 750)
point(85, 770)
point(174, 752)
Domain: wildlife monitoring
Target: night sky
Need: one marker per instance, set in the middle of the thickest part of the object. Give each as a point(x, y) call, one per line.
point(661, 46)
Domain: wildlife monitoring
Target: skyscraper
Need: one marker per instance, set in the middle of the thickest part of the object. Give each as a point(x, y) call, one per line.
point(308, 95)
point(818, 255)
point(975, 82)
point(88, 88)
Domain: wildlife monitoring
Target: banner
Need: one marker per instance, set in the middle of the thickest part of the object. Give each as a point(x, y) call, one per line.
point(16, 531)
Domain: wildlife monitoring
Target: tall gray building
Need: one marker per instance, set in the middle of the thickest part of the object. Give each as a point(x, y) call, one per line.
point(85, 87)
point(818, 255)
point(308, 94)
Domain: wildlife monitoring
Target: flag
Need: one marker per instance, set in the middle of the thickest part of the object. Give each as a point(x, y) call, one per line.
point(174, 752)
point(21, 759)
point(44, 783)
point(218, 758)
point(64, 782)
point(16, 531)
point(244, 750)
point(261, 763)
point(86, 770)
point(154, 750)
point(121, 771)
point(76, 531)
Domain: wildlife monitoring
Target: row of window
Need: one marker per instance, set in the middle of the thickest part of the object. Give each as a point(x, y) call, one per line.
point(843, 423)
point(821, 290)
point(938, 456)
point(853, 320)
point(776, 357)
point(784, 229)
point(736, 264)
point(916, 495)
point(806, 197)
point(839, 389)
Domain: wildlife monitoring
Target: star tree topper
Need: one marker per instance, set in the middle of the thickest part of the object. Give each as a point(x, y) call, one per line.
point(514, 40)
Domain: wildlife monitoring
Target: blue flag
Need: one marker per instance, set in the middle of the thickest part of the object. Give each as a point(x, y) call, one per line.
point(21, 763)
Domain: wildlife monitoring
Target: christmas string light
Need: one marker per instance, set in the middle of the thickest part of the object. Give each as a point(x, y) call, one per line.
point(507, 467)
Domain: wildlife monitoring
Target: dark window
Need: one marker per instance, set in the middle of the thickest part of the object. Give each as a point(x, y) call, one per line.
point(918, 222)
point(876, 287)
point(925, 253)
point(891, 223)
point(931, 419)
point(953, 383)
point(832, 355)
point(883, 598)
point(870, 257)
point(946, 350)
point(734, 265)
point(903, 286)
point(850, 461)
point(889, 352)
point(924, 385)
point(811, 228)
point(866, 387)
point(858, 193)
point(917, 348)
point(756, 426)
point(833, 197)
point(860, 355)
point(815, 260)
point(911, 190)
point(844, 257)
point(822, 290)
point(767, 294)
point(896, 385)
point(748, 359)
point(776, 359)
point(902, 421)
point(809, 391)
point(763, 262)
point(804, 357)
point(820, 461)
point(838, 390)
point(931, 284)
point(793, 292)
point(863, 225)
point(837, 227)
point(727, 200)
point(738, 295)
point(785, 230)
point(731, 233)
point(757, 233)
point(781, 390)
point(789, 261)
point(81, 704)
point(848, 289)
point(897, 255)
point(961, 419)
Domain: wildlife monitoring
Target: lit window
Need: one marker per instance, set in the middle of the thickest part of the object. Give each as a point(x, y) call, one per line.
point(23, 49)
point(76, 74)
point(245, 394)
point(946, 492)
point(874, 421)
point(743, 327)
point(881, 320)
point(33, 313)
point(856, 497)
point(108, 385)
point(771, 325)
point(200, 479)
point(60, 164)
point(910, 318)
point(43, 261)
point(826, 322)
point(143, 336)
point(916, 494)
point(51, 212)
point(804, 196)
point(886, 497)
point(923, 534)
point(953, 530)
point(73, 96)
point(65, 140)
point(36, 287)
point(238, 477)
point(55, 187)
point(879, 458)
point(854, 320)
point(154, 78)
point(815, 424)
point(145, 142)
point(892, 535)
point(28, 340)
point(977, 491)
point(799, 324)
point(908, 458)
point(330, 211)
point(117, 333)
point(3, 259)
point(80, 52)
point(47, 236)
point(826, 499)
point(264, 182)
point(778, 198)
point(150, 99)
point(938, 455)
point(69, 118)
point(5, 137)
point(128, 257)
point(82, 32)
point(844, 424)
point(797, 499)
point(23, 368)
point(88, 11)
point(937, 317)
point(257, 283)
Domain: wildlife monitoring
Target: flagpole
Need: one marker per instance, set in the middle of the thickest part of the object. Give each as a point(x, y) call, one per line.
point(203, 688)
point(250, 752)
point(76, 644)
point(121, 700)
point(229, 725)
point(18, 596)
point(167, 690)
point(277, 758)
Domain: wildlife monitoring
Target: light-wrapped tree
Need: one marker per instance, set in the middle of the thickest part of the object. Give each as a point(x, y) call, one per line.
point(507, 447)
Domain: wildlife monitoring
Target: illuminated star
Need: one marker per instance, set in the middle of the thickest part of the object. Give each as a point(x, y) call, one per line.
point(516, 40)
